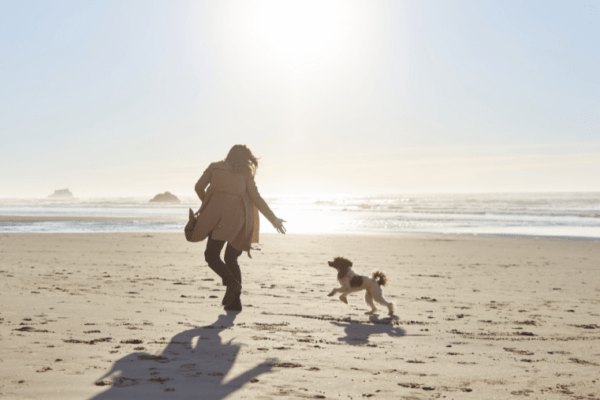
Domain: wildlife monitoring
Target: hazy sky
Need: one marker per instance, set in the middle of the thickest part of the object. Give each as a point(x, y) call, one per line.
point(138, 97)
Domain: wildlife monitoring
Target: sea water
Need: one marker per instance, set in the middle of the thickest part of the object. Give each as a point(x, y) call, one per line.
point(574, 215)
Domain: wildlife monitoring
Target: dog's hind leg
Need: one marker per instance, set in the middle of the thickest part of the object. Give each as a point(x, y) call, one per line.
point(369, 300)
point(381, 300)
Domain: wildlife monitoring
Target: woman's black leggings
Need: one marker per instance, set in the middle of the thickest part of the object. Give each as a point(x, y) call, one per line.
point(228, 269)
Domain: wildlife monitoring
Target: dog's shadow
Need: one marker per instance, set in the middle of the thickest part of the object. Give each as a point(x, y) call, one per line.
point(358, 333)
point(191, 370)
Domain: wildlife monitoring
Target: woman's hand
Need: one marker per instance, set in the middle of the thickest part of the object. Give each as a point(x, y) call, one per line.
point(278, 224)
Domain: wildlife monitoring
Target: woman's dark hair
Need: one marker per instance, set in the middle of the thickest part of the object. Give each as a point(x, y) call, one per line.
point(242, 160)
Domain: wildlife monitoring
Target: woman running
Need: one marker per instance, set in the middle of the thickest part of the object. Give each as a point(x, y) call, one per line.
point(229, 214)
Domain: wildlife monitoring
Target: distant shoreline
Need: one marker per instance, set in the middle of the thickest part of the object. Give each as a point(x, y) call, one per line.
point(557, 216)
point(65, 218)
point(441, 236)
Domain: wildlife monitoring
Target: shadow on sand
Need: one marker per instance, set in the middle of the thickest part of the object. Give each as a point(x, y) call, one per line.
point(194, 372)
point(358, 333)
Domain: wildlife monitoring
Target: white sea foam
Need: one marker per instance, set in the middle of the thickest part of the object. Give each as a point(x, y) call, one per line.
point(545, 214)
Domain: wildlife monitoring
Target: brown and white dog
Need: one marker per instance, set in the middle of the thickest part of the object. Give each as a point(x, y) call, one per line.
point(352, 282)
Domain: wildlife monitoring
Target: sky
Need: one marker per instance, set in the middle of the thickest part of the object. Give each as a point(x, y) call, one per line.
point(133, 98)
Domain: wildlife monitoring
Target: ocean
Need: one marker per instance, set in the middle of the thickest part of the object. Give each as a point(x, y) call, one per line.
point(569, 215)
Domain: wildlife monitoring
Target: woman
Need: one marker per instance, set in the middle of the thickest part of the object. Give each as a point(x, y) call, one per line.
point(229, 214)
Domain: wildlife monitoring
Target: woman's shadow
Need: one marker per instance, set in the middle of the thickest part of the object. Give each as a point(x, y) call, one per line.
point(195, 372)
point(358, 333)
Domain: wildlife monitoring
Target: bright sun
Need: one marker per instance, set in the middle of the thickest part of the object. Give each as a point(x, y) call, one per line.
point(298, 31)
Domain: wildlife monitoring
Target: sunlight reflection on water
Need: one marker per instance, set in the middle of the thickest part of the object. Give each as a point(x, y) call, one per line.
point(562, 214)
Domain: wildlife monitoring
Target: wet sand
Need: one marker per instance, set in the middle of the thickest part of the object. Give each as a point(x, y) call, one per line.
point(127, 316)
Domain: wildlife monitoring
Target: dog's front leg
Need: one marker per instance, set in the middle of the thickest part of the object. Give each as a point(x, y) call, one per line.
point(336, 290)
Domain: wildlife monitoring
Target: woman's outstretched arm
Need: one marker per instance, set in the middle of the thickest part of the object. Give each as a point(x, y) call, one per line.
point(264, 208)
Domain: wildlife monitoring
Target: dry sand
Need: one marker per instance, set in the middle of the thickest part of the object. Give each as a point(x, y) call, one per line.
point(138, 316)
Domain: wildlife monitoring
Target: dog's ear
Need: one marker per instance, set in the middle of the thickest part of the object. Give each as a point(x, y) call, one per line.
point(330, 263)
point(343, 262)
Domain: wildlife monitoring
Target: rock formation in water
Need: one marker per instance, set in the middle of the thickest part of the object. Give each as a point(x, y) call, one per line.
point(62, 194)
point(165, 197)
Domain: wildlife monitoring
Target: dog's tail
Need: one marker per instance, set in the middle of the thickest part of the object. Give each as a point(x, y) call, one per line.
point(380, 278)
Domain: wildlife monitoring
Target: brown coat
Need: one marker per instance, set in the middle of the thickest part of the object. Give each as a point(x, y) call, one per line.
point(230, 207)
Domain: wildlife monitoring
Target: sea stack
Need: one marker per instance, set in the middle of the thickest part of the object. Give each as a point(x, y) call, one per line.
point(61, 194)
point(166, 197)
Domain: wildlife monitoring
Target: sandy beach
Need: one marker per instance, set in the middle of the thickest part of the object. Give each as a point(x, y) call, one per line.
point(127, 316)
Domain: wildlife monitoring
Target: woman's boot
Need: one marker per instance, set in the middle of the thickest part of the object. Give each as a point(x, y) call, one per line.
point(234, 289)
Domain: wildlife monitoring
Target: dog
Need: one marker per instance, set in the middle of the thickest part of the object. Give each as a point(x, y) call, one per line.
point(352, 282)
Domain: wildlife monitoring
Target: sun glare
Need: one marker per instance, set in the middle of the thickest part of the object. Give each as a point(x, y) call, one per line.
point(291, 33)
point(298, 31)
